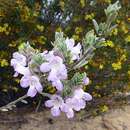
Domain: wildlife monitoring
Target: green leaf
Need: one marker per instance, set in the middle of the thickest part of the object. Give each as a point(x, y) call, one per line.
point(77, 79)
point(96, 26)
point(69, 85)
point(112, 8)
point(60, 46)
point(90, 39)
point(38, 59)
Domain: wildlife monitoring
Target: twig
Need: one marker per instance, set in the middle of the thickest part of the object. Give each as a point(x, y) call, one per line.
point(12, 104)
point(6, 107)
point(39, 103)
point(46, 94)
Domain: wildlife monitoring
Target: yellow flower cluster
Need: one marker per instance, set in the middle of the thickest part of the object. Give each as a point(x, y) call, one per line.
point(3, 63)
point(116, 65)
point(82, 2)
point(114, 32)
point(89, 16)
point(124, 27)
point(75, 37)
point(40, 27)
point(108, 43)
point(104, 108)
point(127, 39)
point(101, 66)
point(5, 29)
point(78, 30)
point(122, 58)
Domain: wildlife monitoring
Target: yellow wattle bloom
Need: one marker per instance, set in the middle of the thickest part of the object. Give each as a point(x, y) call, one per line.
point(101, 66)
point(82, 2)
point(78, 30)
point(89, 16)
point(108, 43)
point(114, 32)
point(40, 28)
point(4, 63)
point(116, 66)
point(127, 39)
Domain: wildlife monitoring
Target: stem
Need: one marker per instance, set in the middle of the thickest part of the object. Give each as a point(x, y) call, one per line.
point(13, 103)
point(46, 94)
point(38, 106)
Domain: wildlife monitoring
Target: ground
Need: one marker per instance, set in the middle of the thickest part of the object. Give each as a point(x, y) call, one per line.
point(116, 119)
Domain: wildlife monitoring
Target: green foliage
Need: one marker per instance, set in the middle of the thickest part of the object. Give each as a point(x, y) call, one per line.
point(112, 9)
point(71, 84)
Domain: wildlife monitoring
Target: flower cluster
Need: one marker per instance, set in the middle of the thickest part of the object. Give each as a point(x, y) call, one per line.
point(50, 67)
point(76, 102)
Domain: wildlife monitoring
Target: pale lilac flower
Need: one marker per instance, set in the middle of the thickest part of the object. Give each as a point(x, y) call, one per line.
point(57, 70)
point(33, 83)
point(19, 69)
point(85, 80)
point(58, 84)
point(19, 62)
point(55, 103)
point(80, 94)
point(76, 102)
point(72, 104)
point(75, 50)
point(18, 58)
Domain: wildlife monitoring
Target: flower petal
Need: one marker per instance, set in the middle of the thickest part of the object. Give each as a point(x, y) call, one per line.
point(86, 81)
point(69, 43)
point(64, 107)
point(62, 72)
point(70, 113)
point(58, 84)
point(19, 58)
point(79, 104)
point(24, 82)
point(16, 74)
point(52, 75)
point(22, 70)
point(55, 111)
point(87, 96)
point(38, 86)
point(49, 103)
point(78, 93)
point(45, 67)
point(32, 91)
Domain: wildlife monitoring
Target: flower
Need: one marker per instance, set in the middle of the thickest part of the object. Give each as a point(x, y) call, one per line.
point(75, 50)
point(19, 58)
point(116, 65)
point(80, 94)
point(76, 102)
point(55, 103)
point(85, 80)
point(57, 70)
point(19, 62)
point(58, 84)
point(33, 83)
point(72, 104)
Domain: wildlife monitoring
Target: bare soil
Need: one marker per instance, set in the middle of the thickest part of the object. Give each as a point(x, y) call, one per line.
point(116, 119)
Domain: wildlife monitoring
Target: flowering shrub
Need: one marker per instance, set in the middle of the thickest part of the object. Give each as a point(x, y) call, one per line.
point(51, 67)
point(60, 67)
